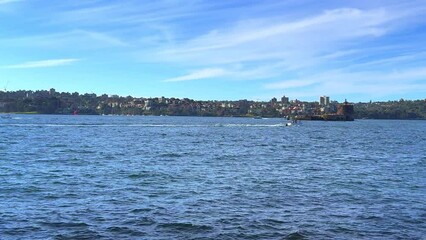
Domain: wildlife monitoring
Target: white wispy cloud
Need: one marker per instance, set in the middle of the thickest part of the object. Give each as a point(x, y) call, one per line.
point(267, 39)
point(44, 63)
point(76, 39)
point(127, 13)
point(199, 74)
point(341, 82)
point(102, 38)
point(290, 84)
point(410, 57)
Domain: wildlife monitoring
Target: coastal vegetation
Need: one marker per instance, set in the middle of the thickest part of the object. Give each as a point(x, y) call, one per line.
point(52, 102)
point(402, 109)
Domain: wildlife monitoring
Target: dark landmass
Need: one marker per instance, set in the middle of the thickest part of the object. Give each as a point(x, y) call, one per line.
point(52, 102)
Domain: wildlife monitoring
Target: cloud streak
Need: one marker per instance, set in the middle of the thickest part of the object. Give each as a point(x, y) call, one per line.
point(342, 82)
point(199, 74)
point(43, 63)
point(126, 13)
point(290, 84)
point(77, 39)
point(268, 39)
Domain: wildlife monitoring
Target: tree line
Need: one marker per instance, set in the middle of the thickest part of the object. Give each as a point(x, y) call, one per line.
point(402, 109)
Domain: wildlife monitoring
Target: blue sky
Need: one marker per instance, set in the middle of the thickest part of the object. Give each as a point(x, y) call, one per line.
point(217, 50)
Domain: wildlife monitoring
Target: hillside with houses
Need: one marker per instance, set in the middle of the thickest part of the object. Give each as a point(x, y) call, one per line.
point(53, 102)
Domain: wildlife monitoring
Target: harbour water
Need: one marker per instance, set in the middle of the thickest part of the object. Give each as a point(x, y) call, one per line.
point(116, 177)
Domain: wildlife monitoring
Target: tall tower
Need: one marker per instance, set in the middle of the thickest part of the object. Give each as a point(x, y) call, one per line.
point(324, 100)
point(347, 110)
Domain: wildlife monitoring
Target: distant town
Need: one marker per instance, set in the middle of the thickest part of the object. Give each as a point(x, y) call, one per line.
point(53, 102)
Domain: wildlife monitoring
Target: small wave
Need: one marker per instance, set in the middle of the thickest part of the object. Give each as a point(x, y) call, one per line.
point(58, 145)
point(370, 217)
point(65, 224)
point(295, 236)
point(33, 189)
point(119, 229)
point(59, 183)
point(86, 152)
point(274, 223)
point(341, 229)
point(51, 197)
point(21, 231)
point(86, 234)
point(140, 210)
point(124, 231)
point(171, 155)
point(185, 227)
point(143, 221)
point(138, 175)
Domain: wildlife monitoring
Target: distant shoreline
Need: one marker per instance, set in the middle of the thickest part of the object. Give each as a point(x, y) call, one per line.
point(63, 103)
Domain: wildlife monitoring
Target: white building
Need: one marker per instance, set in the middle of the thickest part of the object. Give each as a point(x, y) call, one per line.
point(324, 100)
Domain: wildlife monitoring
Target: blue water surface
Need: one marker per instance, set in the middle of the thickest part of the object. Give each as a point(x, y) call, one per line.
point(117, 177)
